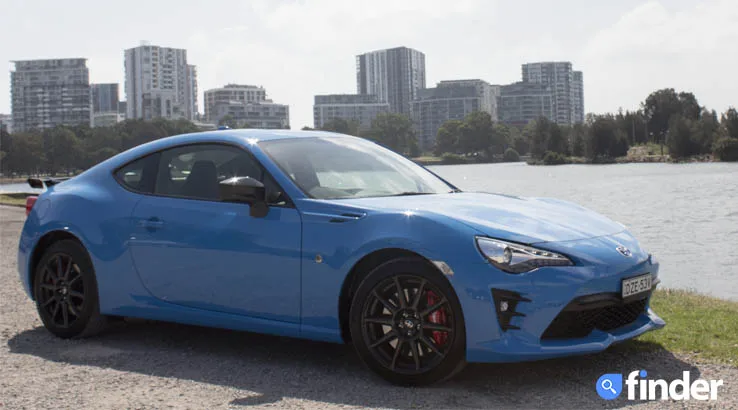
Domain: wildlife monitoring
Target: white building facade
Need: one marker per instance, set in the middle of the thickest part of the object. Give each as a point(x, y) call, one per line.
point(160, 83)
point(48, 93)
point(359, 108)
point(394, 75)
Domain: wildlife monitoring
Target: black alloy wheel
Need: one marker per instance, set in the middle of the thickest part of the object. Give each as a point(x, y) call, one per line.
point(407, 325)
point(65, 291)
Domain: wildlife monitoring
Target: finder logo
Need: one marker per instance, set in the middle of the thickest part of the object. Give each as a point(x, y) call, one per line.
point(609, 386)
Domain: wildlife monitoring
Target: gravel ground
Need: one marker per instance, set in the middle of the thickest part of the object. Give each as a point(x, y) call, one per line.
point(144, 364)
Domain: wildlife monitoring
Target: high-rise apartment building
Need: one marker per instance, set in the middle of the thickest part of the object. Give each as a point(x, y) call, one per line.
point(487, 93)
point(160, 83)
point(361, 108)
point(191, 92)
point(578, 86)
point(228, 93)
point(47, 93)
point(435, 106)
point(451, 100)
point(522, 102)
point(104, 97)
point(246, 104)
point(560, 78)
point(394, 75)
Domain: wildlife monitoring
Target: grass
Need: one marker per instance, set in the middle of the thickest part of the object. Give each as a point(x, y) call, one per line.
point(697, 325)
point(13, 199)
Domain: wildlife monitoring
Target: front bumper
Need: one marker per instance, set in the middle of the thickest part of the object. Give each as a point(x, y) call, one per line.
point(561, 311)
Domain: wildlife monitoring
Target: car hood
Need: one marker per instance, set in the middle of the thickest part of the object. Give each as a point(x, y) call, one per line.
point(518, 219)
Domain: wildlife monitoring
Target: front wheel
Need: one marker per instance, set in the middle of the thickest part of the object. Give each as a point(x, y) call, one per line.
point(407, 325)
point(65, 290)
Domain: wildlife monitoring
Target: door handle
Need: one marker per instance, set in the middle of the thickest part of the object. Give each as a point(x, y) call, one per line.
point(151, 224)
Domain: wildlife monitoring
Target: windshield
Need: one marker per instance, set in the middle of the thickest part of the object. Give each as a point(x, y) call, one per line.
point(344, 167)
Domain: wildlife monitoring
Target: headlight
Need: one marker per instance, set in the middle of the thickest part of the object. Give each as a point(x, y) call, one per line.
point(516, 258)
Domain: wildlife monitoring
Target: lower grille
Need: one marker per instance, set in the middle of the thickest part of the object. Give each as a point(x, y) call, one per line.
point(604, 312)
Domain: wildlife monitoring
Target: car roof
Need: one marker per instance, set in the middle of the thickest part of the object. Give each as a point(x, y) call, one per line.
point(244, 137)
point(267, 135)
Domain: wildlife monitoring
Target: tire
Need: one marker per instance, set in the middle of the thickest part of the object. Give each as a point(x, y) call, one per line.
point(65, 291)
point(428, 326)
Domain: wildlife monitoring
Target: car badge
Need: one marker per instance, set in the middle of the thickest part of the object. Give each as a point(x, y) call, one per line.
point(624, 251)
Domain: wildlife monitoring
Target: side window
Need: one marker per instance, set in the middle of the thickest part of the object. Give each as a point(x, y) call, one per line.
point(139, 175)
point(194, 172)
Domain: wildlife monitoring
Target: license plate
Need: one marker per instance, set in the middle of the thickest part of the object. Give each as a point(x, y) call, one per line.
point(637, 285)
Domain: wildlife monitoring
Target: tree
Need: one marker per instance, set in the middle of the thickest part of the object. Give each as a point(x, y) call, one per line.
point(578, 134)
point(690, 108)
point(227, 121)
point(679, 138)
point(520, 143)
point(729, 121)
point(541, 132)
point(502, 138)
point(706, 130)
point(633, 124)
point(557, 141)
point(660, 106)
point(447, 139)
point(5, 142)
point(62, 150)
point(25, 155)
point(511, 155)
point(306, 128)
point(394, 131)
point(726, 149)
point(605, 139)
point(341, 126)
point(476, 133)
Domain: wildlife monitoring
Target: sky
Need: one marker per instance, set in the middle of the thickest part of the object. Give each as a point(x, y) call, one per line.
point(299, 48)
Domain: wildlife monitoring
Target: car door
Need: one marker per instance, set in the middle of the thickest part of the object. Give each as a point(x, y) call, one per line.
point(193, 250)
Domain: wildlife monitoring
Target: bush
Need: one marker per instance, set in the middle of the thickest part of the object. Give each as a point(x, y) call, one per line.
point(726, 149)
point(511, 155)
point(453, 159)
point(554, 158)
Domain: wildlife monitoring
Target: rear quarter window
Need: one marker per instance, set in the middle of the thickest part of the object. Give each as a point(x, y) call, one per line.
point(139, 175)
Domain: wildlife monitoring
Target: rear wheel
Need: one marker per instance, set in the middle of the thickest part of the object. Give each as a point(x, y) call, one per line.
point(407, 325)
point(65, 290)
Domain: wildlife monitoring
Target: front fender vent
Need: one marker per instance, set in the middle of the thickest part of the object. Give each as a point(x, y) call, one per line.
point(346, 217)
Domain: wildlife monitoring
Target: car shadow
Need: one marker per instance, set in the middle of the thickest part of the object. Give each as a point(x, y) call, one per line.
point(278, 367)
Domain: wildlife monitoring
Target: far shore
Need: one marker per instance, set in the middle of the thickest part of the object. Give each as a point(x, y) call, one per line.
point(645, 159)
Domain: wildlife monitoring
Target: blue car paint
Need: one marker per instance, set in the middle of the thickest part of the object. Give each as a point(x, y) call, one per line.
point(292, 272)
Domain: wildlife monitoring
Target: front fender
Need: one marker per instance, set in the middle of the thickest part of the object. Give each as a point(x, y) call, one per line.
point(331, 249)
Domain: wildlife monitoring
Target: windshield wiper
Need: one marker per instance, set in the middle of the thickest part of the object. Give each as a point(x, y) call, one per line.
point(409, 193)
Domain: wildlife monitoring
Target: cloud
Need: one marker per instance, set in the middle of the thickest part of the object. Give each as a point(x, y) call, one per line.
point(652, 47)
point(297, 49)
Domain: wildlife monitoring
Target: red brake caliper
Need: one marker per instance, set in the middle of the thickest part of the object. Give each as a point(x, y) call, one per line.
point(438, 317)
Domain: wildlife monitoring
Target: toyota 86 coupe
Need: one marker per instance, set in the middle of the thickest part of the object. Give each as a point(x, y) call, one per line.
point(333, 238)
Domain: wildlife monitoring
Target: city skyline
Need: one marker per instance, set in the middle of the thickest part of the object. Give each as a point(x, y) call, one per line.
point(626, 49)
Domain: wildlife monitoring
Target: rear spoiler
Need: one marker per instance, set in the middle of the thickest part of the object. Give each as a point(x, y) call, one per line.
point(39, 183)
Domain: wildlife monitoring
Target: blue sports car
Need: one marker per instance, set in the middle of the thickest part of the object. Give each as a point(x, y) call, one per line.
point(330, 237)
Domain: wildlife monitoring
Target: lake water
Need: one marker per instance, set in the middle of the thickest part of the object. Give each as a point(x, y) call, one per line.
point(14, 188)
point(685, 214)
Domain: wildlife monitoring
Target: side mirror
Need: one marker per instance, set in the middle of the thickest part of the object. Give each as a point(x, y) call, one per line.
point(245, 190)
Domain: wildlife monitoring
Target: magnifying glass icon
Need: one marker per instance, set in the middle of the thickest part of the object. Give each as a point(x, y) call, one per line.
point(607, 385)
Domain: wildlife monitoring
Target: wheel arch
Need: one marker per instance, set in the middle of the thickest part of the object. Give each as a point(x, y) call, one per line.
point(47, 240)
point(360, 269)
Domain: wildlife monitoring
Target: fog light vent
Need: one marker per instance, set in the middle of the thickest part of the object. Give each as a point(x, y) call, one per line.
point(506, 302)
